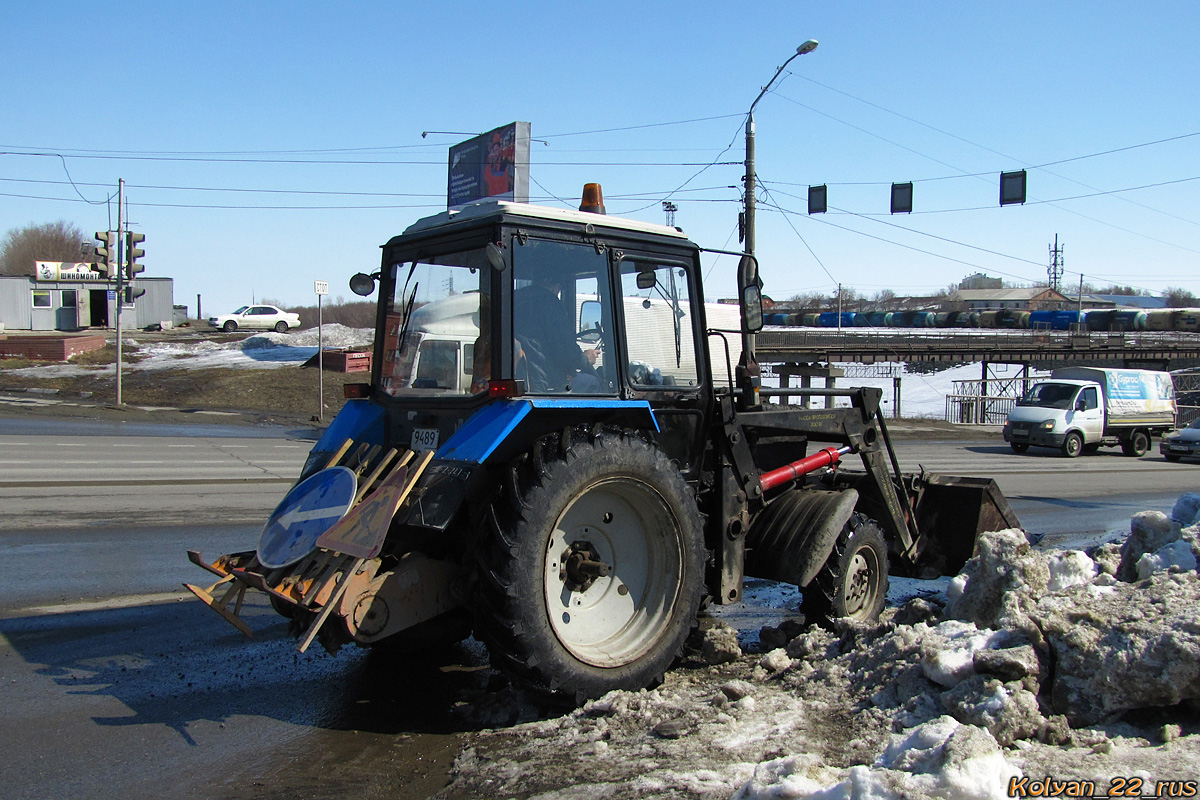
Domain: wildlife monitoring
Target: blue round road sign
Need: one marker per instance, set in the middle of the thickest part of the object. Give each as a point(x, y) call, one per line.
point(309, 509)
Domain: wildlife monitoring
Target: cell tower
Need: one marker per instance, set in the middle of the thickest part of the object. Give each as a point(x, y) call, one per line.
point(670, 208)
point(1055, 270)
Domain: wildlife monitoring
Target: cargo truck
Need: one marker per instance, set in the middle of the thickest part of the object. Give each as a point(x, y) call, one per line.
point(1080, 409)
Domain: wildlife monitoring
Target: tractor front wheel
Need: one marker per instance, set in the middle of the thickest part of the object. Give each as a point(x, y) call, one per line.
point(595, 570)
point(853, 583)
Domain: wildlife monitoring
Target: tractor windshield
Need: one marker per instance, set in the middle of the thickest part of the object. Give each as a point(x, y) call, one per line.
point(432, 334)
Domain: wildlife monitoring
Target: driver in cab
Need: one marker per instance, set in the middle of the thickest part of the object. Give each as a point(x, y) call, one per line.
point(547, 356)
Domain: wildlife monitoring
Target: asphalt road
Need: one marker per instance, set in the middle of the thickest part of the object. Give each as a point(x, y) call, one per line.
point(115, 683)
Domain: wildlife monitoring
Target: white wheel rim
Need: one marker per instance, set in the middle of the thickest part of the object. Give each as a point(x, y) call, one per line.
point(860, 583)
point(614, 620)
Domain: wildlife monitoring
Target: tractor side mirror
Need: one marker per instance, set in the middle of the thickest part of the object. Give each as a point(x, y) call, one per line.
point(589, 316)
point(752, 309)
point(495, 256)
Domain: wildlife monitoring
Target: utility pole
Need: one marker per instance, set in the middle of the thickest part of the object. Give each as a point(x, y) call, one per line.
point(320, 288)
point(120, 274)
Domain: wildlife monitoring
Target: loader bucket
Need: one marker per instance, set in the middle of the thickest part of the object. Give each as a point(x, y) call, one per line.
point(951, 513)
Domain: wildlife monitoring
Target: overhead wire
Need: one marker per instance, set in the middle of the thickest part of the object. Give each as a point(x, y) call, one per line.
point(1043, 166)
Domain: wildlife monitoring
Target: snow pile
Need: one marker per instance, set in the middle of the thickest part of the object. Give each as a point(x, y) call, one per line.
point(263, 350)
point(1023, 667)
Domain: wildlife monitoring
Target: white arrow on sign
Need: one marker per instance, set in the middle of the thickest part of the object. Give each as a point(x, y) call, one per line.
point(296, 515)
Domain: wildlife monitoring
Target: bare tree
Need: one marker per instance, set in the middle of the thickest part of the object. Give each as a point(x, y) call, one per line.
point(883, 299)
point(50, 241)
point(1180, 298)
point(806, 301)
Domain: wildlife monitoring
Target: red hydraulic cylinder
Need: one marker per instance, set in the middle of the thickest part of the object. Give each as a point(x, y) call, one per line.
point(789, 472)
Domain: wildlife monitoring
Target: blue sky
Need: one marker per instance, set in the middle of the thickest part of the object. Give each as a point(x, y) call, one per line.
point(267, 145)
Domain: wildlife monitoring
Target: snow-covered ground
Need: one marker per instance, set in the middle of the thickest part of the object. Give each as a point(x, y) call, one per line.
point(1032, 673)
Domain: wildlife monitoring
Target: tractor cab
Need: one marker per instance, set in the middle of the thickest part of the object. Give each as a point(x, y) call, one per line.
point(590, 318)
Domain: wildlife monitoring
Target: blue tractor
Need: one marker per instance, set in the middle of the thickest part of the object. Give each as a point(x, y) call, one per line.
point(565, 451)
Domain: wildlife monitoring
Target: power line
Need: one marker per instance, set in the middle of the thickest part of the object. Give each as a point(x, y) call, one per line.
point(1012, 158)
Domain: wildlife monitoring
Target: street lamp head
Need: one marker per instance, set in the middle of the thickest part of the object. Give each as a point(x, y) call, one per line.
point(807, 47)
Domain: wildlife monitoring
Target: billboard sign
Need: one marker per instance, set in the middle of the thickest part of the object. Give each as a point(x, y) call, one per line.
point(494, 166)
point(66, 271)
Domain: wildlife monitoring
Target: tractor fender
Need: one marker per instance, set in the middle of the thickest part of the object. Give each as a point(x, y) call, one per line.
point(360, 420)
point(499, 432)
point(791, 539)
point(505, 428)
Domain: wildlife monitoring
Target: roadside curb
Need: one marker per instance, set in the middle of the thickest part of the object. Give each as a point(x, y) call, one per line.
point(45, 391)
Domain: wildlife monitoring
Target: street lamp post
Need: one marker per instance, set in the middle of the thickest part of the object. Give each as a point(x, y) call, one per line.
point(807, 47)
point(748, 377)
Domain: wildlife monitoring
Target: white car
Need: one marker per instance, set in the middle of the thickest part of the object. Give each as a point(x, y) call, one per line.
point(257, 318)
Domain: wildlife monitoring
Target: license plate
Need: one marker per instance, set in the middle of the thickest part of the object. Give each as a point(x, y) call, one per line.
point(1180, 449)
point(424, 439)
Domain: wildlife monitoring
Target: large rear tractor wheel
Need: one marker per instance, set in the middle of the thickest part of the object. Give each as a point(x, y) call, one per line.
point(853, 583)
point(595, 570)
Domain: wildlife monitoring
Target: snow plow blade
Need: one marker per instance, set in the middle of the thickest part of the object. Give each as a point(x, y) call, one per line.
point(951, 512)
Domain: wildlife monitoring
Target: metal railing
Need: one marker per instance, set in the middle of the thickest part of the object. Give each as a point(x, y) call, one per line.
point(975, 409)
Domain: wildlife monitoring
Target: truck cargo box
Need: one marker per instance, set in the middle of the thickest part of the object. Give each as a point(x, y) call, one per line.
point(1132, 396)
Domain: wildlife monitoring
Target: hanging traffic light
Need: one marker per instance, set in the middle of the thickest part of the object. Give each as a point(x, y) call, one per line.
point(104, 263)
point(902, 197)
point(133, 253)
point(1012, 187)
point(131, 293)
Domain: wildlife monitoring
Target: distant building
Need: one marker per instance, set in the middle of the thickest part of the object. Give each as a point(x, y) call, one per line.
point(980, 281)
point(1131, 301)
point(1033, 298)
point(71, 299)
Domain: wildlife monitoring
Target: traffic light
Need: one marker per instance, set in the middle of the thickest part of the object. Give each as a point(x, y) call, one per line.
point(131, 292)
point(104, 263)
point(133, 253)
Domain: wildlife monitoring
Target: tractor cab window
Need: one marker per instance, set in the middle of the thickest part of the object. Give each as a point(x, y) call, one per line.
point(433, 330)
point(658, 325)
point(561, 318)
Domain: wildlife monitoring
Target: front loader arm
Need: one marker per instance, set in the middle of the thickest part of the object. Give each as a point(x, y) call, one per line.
point(862, 428)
